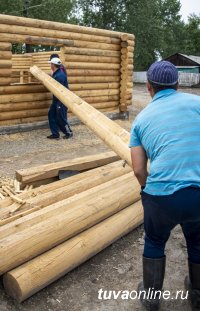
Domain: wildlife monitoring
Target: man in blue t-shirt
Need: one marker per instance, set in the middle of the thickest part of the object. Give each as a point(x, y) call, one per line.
point(167, 132)
point(57, 114)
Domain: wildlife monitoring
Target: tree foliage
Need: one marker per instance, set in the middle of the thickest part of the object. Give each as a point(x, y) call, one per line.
point(192, 35)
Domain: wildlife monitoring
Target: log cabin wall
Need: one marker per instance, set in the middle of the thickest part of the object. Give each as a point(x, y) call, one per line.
point(99, 65)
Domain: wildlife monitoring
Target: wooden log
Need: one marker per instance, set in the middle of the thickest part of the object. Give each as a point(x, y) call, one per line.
point(22, 89)
point(32, 31)
point(5, 46)
point(127, 50)
point(23, 120)
point(113, 197)
point(24, 106)
point(89, 72)
point(104, 105)
point(129, 67)
point(111, 109)
point(31, 277)
point(93, 45)
point(91, 59)
point(94, 86)
point(5, 80)
point(92, 72)
point(5, 63)
point(86, 65)
point(97, 92)
point(17, 98)
point(72, 59)
point(112, 134)
point(5, 72)
point(102, 99)
point(27, 176)
point(23, 114)
point(5, 54)
point(16, 38)
point(89, 52)
point(27, 22)
point(95, 79)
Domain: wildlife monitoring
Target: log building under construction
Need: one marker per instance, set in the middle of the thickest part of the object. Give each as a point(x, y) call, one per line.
point(99, 65)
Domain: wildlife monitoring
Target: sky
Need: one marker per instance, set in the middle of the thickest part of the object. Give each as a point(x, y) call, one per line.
point(189, 6)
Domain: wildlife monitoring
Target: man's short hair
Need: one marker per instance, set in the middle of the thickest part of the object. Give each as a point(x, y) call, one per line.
point(54, 56)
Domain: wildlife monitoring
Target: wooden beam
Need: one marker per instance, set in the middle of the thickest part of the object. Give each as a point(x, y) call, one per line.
point(35, 31)
point(28, 22)
point(27, 176)
point(112, 134)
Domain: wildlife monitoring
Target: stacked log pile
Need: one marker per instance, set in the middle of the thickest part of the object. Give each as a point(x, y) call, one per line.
point(94, 58)
point(5, 63)
point(81, 206)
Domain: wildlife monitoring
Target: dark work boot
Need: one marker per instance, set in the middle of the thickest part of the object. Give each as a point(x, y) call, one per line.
point(153, 276)
point(192, 284)
point(52, 136)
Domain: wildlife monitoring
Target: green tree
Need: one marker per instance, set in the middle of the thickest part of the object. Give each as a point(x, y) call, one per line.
point(192, 30)
point(101, 13)
point(172, 27)
point(143, 20)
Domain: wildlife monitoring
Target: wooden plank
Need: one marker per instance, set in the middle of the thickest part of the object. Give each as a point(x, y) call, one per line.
point(51, 170)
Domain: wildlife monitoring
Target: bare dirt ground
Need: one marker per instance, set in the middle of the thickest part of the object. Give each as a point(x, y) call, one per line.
point(119, 266)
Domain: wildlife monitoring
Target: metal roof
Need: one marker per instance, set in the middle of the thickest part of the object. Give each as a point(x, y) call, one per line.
point(195, 59)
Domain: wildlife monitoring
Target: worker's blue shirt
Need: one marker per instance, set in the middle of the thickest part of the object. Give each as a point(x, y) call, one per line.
point(60, 76)
point(169, 131)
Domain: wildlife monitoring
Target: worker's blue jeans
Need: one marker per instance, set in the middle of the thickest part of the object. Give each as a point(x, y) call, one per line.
point(163, 213)
point(57, 116)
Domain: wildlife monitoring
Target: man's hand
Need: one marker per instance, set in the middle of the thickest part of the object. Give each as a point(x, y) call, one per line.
point(139, 162)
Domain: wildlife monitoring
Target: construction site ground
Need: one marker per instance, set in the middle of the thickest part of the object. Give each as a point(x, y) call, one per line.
point(118, 267)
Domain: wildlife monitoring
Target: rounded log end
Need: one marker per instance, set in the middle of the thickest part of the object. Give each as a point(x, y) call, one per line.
point(12, 287)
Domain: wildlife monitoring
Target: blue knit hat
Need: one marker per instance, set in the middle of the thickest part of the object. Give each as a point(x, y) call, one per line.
point(163, 73)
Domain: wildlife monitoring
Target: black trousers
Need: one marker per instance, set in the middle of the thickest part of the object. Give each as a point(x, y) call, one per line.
point(163, 213)
point(57, 116)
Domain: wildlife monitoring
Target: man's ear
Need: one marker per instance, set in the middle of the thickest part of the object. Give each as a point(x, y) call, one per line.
point(150, 89)
point(148, 86)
